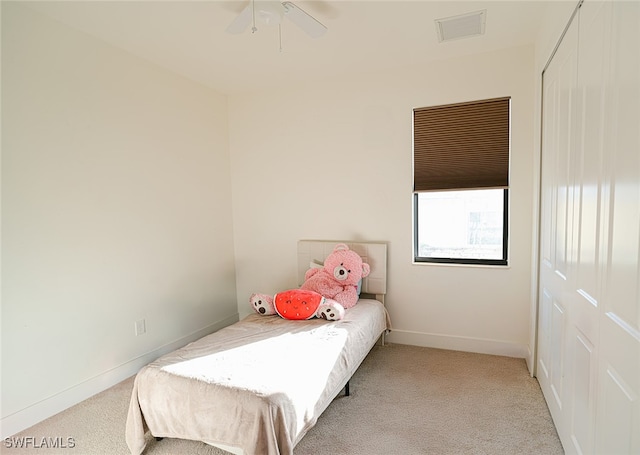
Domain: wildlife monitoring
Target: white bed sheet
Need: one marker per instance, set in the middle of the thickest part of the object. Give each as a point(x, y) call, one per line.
point(258, 385)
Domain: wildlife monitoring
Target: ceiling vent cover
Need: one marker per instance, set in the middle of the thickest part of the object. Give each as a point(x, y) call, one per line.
point(463, 26)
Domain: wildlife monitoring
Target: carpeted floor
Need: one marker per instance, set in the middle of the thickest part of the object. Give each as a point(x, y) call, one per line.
point(404, 400)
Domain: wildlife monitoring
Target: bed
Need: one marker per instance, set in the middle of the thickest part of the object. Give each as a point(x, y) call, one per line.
point(256, 387)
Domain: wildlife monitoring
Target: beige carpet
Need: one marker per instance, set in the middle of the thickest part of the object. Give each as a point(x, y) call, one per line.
point(404, 400)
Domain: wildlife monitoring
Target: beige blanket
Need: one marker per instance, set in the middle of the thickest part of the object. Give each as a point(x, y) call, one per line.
point(259, 384)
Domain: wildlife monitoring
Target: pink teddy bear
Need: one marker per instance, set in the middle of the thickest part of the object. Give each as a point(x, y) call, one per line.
point(337, 281)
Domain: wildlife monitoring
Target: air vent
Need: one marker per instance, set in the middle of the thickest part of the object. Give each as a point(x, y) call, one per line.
point(463, 26)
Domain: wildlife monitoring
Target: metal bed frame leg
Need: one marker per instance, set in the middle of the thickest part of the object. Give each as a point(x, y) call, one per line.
point(346, 389)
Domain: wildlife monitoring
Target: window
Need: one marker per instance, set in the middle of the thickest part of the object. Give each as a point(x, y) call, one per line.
point(461, 182)
point(461, 226)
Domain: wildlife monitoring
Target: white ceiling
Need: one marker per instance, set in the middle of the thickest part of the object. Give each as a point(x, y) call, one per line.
point(189, 38)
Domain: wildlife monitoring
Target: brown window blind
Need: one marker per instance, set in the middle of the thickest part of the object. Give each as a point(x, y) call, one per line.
point(461, 146)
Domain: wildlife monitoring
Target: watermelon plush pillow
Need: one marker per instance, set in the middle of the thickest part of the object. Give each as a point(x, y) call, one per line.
point(297, 304)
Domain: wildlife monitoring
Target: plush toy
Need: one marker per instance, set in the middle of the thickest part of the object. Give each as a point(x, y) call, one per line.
point(328, 290)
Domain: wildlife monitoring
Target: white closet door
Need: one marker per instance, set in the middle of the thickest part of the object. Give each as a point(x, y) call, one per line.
point(589, 226)
point(589, 304)
point(557, 180)
point(618, 404)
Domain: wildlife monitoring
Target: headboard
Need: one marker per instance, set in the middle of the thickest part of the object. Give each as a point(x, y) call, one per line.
point(373, 253)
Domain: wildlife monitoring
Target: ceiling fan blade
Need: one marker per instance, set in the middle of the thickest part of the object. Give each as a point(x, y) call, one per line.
point(303, 20)
point(241, 22)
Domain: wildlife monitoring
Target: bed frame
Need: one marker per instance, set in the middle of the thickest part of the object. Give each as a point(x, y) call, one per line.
point(156, 389)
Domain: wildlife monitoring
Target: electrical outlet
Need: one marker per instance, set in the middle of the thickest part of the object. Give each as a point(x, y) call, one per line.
point(140, 327)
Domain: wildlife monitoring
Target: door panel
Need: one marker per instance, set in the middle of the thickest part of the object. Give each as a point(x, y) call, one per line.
point(619, 421)
point(544, 329)
point(557, 213)
point(557, 355)
point(583, 395)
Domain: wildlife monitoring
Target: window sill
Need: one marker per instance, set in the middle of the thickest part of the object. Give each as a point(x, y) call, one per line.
point(455, 264)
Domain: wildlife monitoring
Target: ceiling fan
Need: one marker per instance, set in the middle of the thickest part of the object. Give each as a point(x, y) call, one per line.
point(271, 13)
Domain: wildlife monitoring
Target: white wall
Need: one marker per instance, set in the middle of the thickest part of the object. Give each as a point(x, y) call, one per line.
point(335, 162)
point(116, 206)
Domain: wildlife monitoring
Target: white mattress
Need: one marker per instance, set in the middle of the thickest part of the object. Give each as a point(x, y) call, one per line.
point(258, 385)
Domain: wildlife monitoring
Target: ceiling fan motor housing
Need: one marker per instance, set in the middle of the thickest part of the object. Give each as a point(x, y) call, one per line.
point(271, 13)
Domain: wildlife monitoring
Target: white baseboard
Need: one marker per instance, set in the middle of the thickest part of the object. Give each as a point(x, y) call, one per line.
point(456, 343)
point(44, 409)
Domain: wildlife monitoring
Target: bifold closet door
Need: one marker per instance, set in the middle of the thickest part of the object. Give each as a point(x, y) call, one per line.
point(589, 294)
point(557, 212)
point(618, 388)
